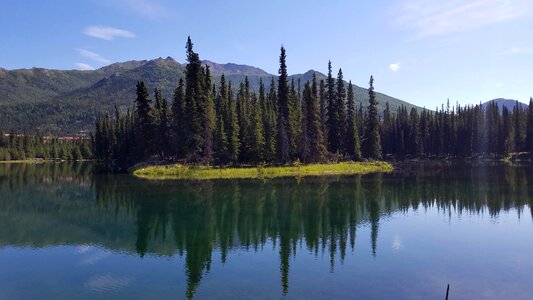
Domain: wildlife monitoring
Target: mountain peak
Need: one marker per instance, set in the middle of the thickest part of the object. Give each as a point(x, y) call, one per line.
point(232, 68)
point(507, 103)
point(122, 66)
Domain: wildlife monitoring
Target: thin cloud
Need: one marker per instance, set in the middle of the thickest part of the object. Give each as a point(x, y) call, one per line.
point(94, 56)
point(518, 50)
point(394, 67)
point(84, 67)
point(146, 8)
point(434, 18)
point(107, 33)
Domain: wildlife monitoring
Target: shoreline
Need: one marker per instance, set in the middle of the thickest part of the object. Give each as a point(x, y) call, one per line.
point(183, 172)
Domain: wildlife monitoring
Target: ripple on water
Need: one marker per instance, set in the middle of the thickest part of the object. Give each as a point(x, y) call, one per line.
point(107, 283)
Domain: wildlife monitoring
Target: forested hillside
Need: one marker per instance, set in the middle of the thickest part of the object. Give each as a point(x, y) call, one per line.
point(65, 102)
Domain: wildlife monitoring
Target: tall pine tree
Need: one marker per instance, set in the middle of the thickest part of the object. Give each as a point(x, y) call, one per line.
point(373, 139)
point(529, 130)
point(283, 111)
point(353, 147)
point(145, 122)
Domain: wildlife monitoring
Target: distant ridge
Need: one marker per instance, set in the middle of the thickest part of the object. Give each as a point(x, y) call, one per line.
point(508, 103)
point(231, 68)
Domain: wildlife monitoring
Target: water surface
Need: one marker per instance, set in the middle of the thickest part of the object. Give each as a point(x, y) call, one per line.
point(66, 232)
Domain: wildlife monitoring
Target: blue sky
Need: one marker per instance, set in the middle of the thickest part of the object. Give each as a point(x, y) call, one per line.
point(421, 51)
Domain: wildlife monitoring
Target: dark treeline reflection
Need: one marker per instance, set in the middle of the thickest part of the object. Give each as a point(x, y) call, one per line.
point(67, 205)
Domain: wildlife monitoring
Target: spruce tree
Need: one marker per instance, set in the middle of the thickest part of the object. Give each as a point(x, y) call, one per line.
point(323, 96)
point(519, 137)
point(271, 120)
point(221, 145)
point(318, 148)
point(165, 129)
point(529, 129)
point(387, 140)
point(258, 139)
point(506, 135)
point(340, 131)
point(233, 128)
point(145, 124)
point(159, 134)
point(194, 117)
point(414, 147)
point(373, 139)
point(332, 111)
point(178, 120)
point(353, 147)
point(293, 124)
point(243, 117)
point(283, 111)
point(304, 149)
point(207, 113)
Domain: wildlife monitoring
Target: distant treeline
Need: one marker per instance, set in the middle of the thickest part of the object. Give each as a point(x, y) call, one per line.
point(23, 147)
point(316, 122)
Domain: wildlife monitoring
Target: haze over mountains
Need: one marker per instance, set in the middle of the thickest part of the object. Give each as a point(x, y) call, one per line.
point(508, 103)
point(67, 101)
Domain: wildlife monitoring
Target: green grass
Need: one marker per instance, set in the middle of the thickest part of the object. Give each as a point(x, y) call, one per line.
point(25, 161)
point(206, 172)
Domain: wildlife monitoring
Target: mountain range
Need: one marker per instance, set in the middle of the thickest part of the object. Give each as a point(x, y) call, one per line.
point(68, 101)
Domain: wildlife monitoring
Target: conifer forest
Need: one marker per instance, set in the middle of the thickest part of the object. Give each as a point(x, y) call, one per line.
point(309, 122)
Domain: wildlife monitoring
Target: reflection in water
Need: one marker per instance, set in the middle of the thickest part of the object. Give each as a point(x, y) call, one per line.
point(194, 219)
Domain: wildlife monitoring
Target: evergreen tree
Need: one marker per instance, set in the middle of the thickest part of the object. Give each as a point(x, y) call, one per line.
point(233, 127)
point(243, 116)
point(271, 117)
point(221, 144)
point(145, 123)
point(207, 113)
point(414, 147)
point(178, 120)
point(317, 145)
point(323, 96)
point(332, 116)
point(165, 129)
point(506, 134)
point(283, 111)
point(353, 147)
point(194, 117)
point(529, 129)
point(342, 124)
point(388, 134)
point(519, 137)
point(293, 124)
point(258, 139)
point(373, 139)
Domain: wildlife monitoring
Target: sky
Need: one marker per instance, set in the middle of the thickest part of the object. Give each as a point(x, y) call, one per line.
point(420, 51)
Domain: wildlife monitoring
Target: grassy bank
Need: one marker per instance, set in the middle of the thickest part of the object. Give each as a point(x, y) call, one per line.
point(25, 161)
point(205, 172)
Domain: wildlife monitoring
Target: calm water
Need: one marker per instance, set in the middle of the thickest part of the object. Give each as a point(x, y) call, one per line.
point(67, 233)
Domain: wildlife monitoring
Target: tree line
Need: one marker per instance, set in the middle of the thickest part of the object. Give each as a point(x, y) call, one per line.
point(23, 146)
point(468, 131)
point(206, 123)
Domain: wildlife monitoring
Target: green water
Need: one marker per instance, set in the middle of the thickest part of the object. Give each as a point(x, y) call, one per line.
point(68, 233)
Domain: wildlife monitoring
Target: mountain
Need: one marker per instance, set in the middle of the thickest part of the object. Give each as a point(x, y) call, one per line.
point(67, 101)
point(508, 103)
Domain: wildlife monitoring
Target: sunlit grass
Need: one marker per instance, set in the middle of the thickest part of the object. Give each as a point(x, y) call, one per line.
point(178, 171)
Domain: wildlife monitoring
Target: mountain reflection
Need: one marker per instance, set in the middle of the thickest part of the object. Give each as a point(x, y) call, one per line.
point(66, 204)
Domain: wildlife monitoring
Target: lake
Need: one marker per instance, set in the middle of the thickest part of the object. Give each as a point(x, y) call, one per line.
point(68, 232)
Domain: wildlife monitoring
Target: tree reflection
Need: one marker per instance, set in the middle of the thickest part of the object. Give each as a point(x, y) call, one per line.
point(193, 219)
